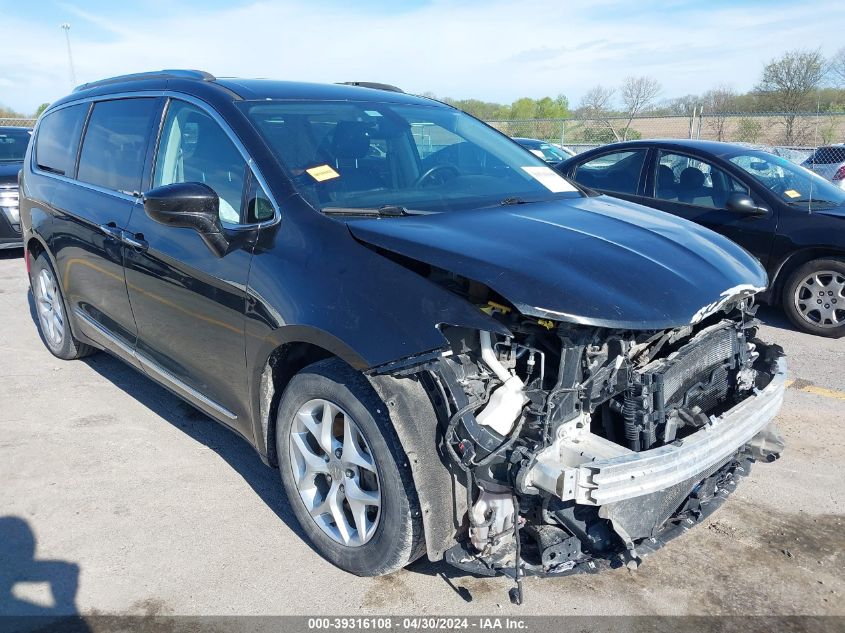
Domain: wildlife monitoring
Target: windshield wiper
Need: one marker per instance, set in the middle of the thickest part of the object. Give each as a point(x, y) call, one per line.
point(813, 201)
point(384, 211)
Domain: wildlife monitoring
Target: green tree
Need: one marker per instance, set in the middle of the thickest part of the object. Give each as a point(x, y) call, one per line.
point(749, 130)
point(40, 109)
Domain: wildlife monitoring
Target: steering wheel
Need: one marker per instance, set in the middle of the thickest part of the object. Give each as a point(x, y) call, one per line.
point(430, 173)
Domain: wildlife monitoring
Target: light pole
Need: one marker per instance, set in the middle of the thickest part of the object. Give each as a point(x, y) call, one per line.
point(66, 28)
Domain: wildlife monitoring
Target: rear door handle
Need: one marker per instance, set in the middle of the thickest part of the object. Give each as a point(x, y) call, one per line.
point(111, 230)
point(135, 241)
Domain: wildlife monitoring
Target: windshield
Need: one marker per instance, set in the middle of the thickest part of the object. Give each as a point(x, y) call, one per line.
point(13, 144)
point(795, 185)
point(366, 155)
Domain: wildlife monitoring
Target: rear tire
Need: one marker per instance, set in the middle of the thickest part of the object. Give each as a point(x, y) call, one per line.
point(350, 486)
point(814, 297)
point(51, 308)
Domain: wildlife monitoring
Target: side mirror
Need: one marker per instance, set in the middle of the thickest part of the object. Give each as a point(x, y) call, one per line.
point(191, 205)
point(742, 203)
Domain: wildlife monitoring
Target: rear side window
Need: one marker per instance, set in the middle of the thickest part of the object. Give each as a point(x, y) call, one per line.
point(115, 144)
point(618, 172)
point(58, 139)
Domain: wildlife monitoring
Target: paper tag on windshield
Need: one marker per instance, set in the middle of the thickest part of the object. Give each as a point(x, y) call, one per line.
point(792, 193)
point(321, 173)
point(549, 178)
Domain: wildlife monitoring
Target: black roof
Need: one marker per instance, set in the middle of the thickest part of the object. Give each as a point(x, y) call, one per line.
point(245, 89)
point(272, 89)
point(717, 148)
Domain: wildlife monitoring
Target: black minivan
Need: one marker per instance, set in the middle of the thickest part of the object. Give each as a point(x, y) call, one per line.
point(444, 346)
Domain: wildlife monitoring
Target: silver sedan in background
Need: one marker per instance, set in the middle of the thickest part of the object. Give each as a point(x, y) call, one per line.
point(829, 163)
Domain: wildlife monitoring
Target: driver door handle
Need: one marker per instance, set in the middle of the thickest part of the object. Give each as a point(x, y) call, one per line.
point(135, 241)
point(111, 229)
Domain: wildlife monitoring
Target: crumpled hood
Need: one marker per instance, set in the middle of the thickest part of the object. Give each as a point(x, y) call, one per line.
point(595, 261)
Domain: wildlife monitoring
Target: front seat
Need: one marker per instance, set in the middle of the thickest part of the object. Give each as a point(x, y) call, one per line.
point(350, 144)
point(667, 188)
point(215, 162)
point(691, 185)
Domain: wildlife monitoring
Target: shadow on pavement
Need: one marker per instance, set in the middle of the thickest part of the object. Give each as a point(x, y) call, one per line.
point(12, 253)
point(226, 443)
point(236, 451)
point(773, 316)
point(18, 565)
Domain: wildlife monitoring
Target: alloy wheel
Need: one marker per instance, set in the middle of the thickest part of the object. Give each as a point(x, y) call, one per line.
point(335, 473)
point(49, 306)
point(820, 299)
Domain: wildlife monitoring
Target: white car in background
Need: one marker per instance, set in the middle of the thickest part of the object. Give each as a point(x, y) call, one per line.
point(829, 163)
point(552, 153)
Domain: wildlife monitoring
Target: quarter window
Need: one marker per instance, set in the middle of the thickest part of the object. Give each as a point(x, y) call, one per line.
point(115, 144)
point(58, 139)
point(258, 205)
point(692, 181)
point(618, 172)
point(194, 148)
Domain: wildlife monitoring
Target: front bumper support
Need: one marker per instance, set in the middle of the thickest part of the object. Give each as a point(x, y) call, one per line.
point(593, 471)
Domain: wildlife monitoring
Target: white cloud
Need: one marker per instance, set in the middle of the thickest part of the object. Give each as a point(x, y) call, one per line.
point(494, 50)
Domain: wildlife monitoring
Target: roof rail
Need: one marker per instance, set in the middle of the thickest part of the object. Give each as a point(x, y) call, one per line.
point(155, 74)
point(373, 85)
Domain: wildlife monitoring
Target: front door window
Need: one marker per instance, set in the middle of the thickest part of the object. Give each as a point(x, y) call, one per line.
point(693, 181)
point(194, 148)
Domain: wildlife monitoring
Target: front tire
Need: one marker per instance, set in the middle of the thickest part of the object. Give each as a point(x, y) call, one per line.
point(51, 308)
point(345, 472)
point(814, 297)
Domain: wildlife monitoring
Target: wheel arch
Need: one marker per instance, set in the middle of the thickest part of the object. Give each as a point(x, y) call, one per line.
point(34, 246)
point(793, 262)
point(415, 417)
point(415, 413)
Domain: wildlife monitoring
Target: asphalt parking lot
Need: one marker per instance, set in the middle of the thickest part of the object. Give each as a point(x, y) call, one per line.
point(155, 509)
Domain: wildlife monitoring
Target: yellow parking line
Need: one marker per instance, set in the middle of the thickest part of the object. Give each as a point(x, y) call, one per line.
point(825, 393)
point(817, 391)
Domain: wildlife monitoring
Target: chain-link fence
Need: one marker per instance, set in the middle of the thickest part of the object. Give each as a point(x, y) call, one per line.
point(17, 122)
point(792, 135)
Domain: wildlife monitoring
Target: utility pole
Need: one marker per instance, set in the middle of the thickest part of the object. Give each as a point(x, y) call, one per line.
point(66, 28)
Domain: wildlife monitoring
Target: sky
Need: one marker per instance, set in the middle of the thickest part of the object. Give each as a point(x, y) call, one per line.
point(495, 50)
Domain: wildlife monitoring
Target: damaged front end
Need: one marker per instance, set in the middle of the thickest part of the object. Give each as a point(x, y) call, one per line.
point(585, 447)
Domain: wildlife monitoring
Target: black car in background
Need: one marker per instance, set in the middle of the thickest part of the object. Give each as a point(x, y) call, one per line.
point(437, 344)
point(789, 218)
point(13, 144)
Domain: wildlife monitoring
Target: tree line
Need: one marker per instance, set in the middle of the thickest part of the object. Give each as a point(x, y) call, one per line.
point(799, 81)
point(8, 113)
